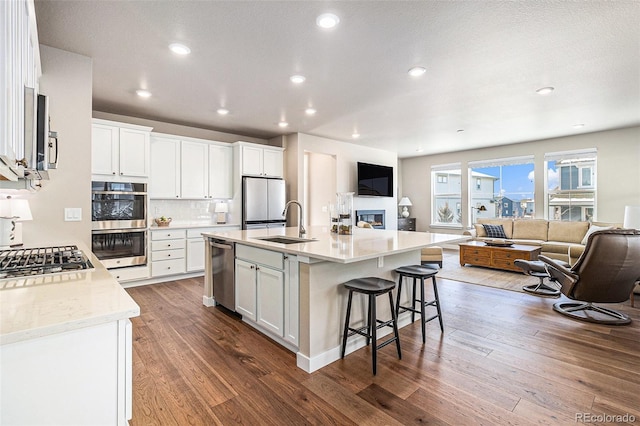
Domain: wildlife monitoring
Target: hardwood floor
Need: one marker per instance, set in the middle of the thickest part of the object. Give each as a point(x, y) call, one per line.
point(505, 358)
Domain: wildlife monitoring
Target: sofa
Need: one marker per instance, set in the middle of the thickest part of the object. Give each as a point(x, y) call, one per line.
point(559, 240)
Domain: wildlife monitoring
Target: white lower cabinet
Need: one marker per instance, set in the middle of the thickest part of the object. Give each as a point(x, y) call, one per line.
point(81, 377)
point(179, 250)
point(168, 252)
point(195, 249)
point(267, 290)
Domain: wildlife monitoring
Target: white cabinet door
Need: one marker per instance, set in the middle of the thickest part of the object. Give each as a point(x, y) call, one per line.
point(245, 289)
point(270, 299)
point(252, 160)
point(195, 254)
point(272, 162)
point(134, 153)
point(194, 170)
point(104, 149)
point(220, 171)
point(165, 168)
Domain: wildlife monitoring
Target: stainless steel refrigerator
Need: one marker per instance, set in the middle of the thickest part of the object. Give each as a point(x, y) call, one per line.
point(263, 200)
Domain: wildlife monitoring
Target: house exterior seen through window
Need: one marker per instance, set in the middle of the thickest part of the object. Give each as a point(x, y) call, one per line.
point(571, 185)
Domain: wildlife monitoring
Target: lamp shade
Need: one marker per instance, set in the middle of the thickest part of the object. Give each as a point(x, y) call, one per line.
point(631, 217)
point(405, 202)
point(17, 208)
point(222, 208)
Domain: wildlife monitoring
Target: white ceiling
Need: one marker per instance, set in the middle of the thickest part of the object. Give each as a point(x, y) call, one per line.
point(484, 62)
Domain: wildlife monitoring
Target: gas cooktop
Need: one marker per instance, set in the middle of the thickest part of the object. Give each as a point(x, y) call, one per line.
point(30, 262)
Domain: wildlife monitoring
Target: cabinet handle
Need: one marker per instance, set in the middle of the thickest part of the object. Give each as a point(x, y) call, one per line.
point(252, 267)
point(257, 268)
point(168, 245)
point(169, 255)
point(121, 173)
point(113, 173)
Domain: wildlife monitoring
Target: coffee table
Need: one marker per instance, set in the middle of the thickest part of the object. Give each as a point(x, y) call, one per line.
point(479, 254)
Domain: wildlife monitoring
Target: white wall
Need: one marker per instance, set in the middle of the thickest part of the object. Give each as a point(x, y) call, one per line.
point(618, 172)
point(346, 157)
point(67, 80)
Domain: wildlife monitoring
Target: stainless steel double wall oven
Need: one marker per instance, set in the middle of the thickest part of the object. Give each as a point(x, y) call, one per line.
point(119, 219)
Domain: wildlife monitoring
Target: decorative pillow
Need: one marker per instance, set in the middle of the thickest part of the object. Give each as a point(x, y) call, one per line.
point(592, 229)
point(494, 231)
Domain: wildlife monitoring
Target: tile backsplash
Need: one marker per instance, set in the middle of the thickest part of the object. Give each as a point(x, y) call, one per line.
point(183, 210)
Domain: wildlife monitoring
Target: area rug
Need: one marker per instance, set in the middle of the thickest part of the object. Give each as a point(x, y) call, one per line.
point(506, 280)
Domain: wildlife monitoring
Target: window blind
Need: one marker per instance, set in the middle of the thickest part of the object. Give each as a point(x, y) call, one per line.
point(446, 167)
point(581, 154)
point(525, 159)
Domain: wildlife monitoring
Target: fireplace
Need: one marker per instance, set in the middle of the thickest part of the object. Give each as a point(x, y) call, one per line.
point(373, 217)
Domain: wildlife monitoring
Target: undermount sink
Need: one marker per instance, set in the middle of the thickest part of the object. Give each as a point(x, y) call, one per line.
point(282, 239)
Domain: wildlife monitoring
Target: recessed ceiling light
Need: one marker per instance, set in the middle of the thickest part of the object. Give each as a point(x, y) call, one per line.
point(310, 111)
point(355, 135)
point(578, 126)
point(283, 124)
point(417, 71)
point(327, 20)
point(545, 90)
point(297, 79)
point(223, 111)
point(179, 49)
point(143, 93)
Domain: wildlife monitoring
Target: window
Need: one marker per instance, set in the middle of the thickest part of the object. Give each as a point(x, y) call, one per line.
point(446, 195)
point(571, 185)
point(505, 187)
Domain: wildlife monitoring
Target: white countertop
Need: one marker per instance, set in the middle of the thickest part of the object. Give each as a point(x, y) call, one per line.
point(363, 244)
point(55, 303)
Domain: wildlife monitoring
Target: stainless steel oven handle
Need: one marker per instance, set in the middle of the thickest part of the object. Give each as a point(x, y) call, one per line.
point(119, 231)
point(118, 193)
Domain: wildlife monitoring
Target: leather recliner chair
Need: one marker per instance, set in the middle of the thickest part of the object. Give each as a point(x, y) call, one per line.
point(605, 273)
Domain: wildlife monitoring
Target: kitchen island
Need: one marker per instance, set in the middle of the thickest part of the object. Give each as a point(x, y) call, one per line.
point(308, 288)
point(65, 348)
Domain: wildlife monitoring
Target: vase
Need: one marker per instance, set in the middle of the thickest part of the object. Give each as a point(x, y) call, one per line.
point(344, 210)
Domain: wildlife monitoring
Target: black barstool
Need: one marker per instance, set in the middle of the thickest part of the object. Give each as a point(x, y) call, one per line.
point(373, 287)
point(420, 272)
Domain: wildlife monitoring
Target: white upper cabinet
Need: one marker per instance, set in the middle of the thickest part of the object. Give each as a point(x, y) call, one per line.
point(19, 54)
point(190, 168)
point(272, 162)
point(119, 150)
point(194, 174)
point(165, 168)
point(220, 171)
point(259, 160)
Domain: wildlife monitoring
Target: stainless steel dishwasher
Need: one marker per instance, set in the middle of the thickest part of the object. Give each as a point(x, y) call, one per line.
point(223, 255)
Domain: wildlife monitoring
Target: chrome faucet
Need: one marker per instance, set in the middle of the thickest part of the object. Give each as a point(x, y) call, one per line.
point(301, 232)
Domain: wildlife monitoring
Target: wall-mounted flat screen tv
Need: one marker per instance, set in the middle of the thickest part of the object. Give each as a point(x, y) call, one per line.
point(375, 180)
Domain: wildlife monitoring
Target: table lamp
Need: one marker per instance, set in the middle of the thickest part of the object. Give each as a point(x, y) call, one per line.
point(17, 211)
point(404, 203)
point(631, 217)
point(221, 210)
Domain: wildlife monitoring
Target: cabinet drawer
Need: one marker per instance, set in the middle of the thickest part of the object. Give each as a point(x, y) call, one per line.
point(475, 259)
point(270, 258)
point(130, 273)
point(167, 245)
point(167, 267)
point(504, 263)
point(167, 254)
point(157, 235)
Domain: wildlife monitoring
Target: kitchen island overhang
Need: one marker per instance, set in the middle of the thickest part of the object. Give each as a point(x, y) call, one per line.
point(325, 263)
